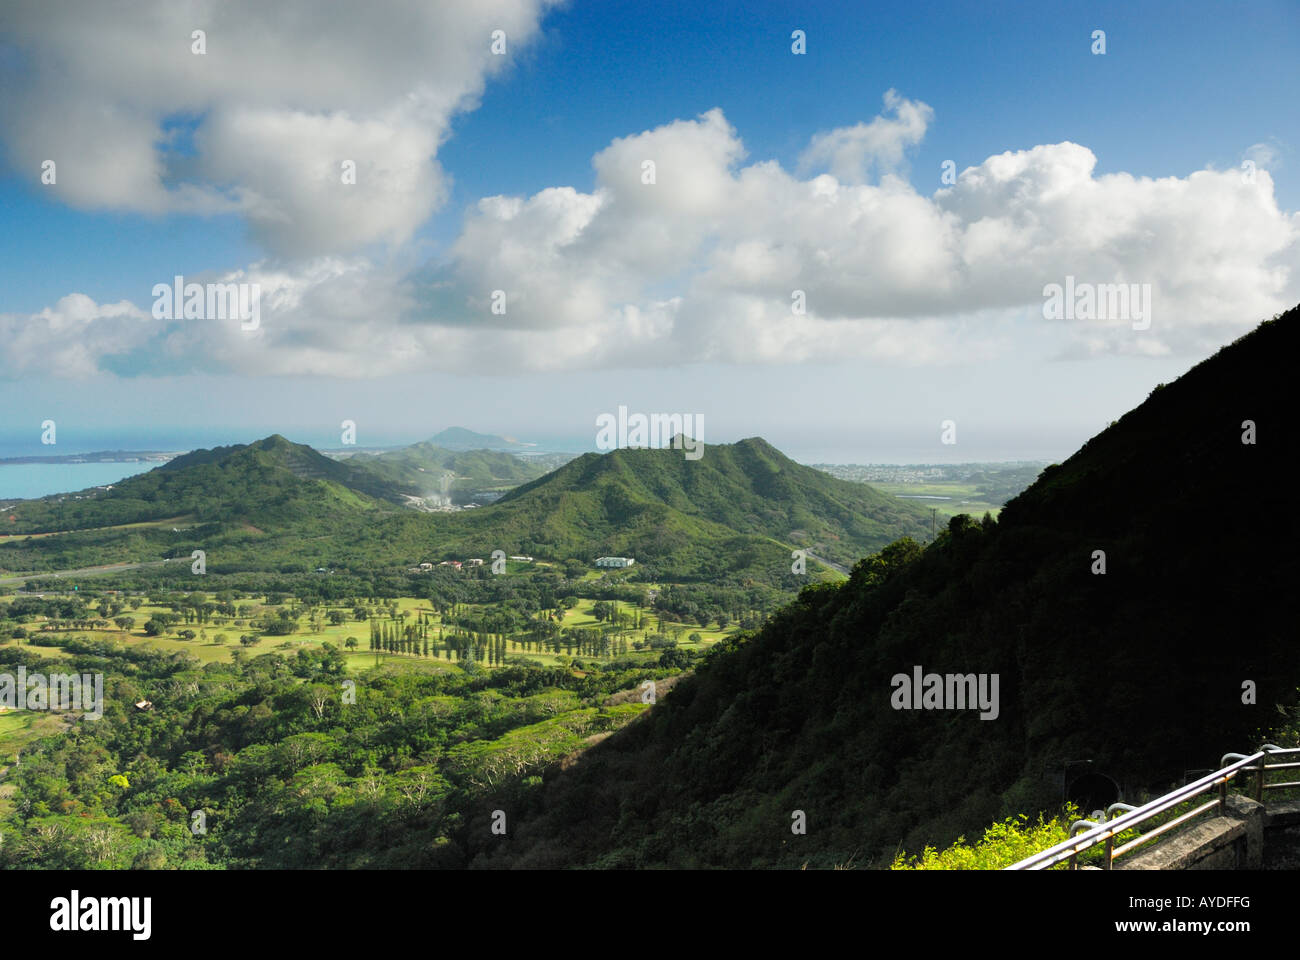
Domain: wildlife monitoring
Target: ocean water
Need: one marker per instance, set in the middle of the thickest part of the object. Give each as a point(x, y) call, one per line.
point(28, 480)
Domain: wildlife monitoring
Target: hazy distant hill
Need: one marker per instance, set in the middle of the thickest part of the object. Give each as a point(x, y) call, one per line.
point(458, 438)
point(459, 475)
point(1139, 670)
point(97, 456)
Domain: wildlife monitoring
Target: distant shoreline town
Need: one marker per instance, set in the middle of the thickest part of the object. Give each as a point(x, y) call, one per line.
point(100, 456)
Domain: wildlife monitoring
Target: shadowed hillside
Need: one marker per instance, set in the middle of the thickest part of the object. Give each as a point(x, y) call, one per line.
point(1139, 670)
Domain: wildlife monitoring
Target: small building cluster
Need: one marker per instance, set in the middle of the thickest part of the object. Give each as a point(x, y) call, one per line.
point(615, 562)
point(426, 567)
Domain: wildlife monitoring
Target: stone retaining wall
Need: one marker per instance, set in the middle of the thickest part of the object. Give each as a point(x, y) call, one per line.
point(1233, 841)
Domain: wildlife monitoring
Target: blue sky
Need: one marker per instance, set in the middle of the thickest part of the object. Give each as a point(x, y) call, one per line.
point(922, 305)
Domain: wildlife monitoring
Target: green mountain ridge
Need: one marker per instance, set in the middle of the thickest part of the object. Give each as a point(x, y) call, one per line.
point(304, 462)
point(276, 505)
point(272, 480)
point(748, 487)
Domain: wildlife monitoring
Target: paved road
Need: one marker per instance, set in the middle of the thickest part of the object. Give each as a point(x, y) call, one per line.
point(83, 572)
point(833, 566)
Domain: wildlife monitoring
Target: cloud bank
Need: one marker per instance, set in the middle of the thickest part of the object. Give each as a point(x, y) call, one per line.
point(686, 249)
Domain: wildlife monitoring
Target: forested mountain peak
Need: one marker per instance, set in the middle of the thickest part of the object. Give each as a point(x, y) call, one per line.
point(748, 487)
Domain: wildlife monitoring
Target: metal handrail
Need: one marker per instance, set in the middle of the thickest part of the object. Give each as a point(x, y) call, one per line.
point(1107, 832)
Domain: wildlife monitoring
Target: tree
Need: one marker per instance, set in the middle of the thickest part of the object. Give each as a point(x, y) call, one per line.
point(897, 555)
point(125, 623)
point(152, 857)
point(674, 659)
point(350, 643)
point(153, 627)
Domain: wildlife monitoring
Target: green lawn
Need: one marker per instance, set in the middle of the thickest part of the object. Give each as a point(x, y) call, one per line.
point(181, 523)
point(963, 497)
point(17, 727)
point(208, 648)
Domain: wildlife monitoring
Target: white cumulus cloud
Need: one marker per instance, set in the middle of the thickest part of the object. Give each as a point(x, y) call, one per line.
point(261, 123)
point(708, 262)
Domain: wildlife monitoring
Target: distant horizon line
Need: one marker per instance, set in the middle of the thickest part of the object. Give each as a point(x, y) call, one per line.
point(537, 448)
point(894, 450)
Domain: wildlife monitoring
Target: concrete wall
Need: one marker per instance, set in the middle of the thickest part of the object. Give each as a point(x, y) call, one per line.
point(1234, 841)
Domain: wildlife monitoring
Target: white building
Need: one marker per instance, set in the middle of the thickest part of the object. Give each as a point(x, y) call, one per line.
point(617, 562)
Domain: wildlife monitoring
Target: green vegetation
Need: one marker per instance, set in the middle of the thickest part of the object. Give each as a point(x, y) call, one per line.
point(1140, 670)
point(974, 488)
point(487, 621)
point(741, 505)
point(956, 498)
point(282, 763)
point(730, 520)
point(456, 476)
point(1003, 844)
point(324, 703)
point(1016, 838)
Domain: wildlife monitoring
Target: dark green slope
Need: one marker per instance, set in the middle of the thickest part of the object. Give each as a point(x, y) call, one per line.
point(1139, 670)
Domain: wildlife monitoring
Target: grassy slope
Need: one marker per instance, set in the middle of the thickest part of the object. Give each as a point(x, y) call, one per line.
point(212, 651)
